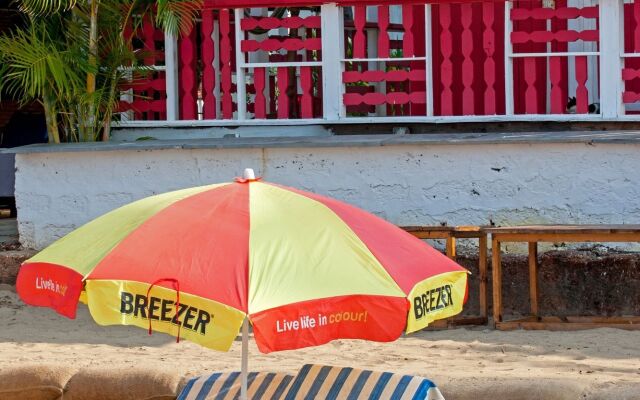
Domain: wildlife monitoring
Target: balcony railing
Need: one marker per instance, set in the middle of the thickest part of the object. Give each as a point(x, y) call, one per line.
point(486, 61)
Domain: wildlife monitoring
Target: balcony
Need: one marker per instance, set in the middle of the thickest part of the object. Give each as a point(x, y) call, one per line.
point(366, 63)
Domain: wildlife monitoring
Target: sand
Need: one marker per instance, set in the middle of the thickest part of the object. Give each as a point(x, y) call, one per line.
point(476, 363)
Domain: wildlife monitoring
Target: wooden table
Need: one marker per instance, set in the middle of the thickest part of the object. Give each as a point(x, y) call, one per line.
point(555, 234)
point(450, 234)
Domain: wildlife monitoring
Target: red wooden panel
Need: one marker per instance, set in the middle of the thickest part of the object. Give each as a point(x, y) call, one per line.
point(188, 76)
point(558, 99)
point(560, 36)
point(274, 44)
point(260, 102)
point(251, 23)
point(630, 97)
point(148, 31)
point(531, 93)
point(283, 95)
point(225, 64)
point(636, 31)
point(446, 68)
point(519, 14)
point(407, 39)
point(630, 73)
point(488, 44)
point(306, 103)
point(467, 63)
point(383, 35)
point(391, 98)
point(359, 38)
point(582, 93)
point(208, 73)
point(380, 76)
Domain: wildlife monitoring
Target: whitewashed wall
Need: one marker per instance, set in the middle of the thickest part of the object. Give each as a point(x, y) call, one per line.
point(406, 184)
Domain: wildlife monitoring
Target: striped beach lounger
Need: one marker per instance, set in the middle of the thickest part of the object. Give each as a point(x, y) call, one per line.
point(338, 383)
point(219, 386)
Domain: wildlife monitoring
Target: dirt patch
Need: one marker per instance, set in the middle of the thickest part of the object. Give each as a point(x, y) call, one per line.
point(10, 264)
point(570, 282)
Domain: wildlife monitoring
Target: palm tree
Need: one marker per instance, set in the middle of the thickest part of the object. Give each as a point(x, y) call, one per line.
point(70, 56)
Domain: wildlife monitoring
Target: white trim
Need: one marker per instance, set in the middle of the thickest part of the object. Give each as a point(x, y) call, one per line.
point(282, 64)
point(171, 76)
point(428, 40)
point(241, 96)
point(508, 60)
point(332, 52)
point(558, 54)
point(611, 46)
point(629, 55)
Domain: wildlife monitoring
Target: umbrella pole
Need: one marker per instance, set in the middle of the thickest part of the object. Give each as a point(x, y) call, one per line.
point(245, 359)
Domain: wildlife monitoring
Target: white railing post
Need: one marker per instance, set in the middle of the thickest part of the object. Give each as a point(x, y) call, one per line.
point(508, 61)
point(428, 53)
point(611, 49)
point(241, 96)
point(332, 66)
point(171, 75)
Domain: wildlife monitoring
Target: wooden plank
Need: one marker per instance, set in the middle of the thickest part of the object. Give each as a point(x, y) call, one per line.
point(306, 101)
point(497, 280)
point(407, 22)
point(582, 93)
point(359, 38)
point(610, 228)
point(468, 101)
point(558, 100)
point(531, 92)
point(568, 237)
point(482, 275)
point(446, 67)
point(208, 73)
point(260, 102)
point(488, 44)
point(283, 97)
point(533, 277)
point(225, 64)
point(188, 109)
point(383, 36)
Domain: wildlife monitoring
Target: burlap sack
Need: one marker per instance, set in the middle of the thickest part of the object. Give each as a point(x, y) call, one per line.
point(34, 382)
point(123, 384)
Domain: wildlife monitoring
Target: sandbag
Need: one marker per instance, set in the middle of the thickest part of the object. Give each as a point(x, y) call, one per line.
point(34, 382)
point(124, 384)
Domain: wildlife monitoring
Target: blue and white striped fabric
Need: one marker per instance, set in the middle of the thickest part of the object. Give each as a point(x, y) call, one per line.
point(218, 386)
point(338, 383)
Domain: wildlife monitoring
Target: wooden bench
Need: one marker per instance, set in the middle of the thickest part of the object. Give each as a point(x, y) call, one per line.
point(450, 234)
point(555, 234)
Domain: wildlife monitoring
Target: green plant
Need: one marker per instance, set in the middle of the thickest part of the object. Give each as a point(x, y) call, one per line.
point(73, 55)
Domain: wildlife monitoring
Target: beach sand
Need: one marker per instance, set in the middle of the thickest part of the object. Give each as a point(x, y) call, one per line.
point(473, 363)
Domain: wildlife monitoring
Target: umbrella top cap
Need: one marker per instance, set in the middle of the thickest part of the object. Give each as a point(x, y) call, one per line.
point(248, 176)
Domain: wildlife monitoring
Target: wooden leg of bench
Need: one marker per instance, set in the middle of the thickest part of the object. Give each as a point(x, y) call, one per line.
point(533, 277)
point(451, 247)
point(482, 272)
point(497, 281)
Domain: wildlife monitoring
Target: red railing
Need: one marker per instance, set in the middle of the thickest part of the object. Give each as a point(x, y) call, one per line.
point(405, 60)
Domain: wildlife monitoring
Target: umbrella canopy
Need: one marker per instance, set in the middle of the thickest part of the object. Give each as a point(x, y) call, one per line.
point(305, 269)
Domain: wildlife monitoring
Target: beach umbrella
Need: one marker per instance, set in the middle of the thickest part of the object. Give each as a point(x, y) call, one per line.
point(199, 263)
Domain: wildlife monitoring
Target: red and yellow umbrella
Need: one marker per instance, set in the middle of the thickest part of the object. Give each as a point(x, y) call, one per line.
point(303, 268)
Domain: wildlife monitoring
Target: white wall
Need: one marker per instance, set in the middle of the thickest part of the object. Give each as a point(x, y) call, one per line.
point(408, 185)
